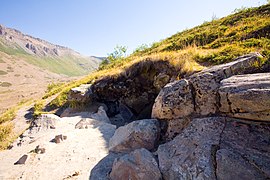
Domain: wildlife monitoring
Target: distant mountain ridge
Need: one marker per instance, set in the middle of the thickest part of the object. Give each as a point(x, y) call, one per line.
point(14, 42)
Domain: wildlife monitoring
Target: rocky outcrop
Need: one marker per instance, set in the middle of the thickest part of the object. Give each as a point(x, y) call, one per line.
point(137, 165)
point(138, 134)
point(198, 95)
point(217, 148)
point(136, 87)
point(81, 94)
point(246, 96)
point(189, 155)
point(198, 133)
point(102, 170)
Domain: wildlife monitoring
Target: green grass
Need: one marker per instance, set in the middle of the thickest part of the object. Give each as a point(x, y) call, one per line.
point(231, 36)
point(215, 42)
point(66, 65)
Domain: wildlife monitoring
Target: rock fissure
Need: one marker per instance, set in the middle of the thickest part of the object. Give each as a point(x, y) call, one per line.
point(256, 166)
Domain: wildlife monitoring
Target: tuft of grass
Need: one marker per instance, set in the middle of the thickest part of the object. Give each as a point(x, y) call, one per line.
point(5, 84)
point(8, 115)
point(3, 72)
point(5, 135)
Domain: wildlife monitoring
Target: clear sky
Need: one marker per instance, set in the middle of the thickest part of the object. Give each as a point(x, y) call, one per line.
point(96, 27)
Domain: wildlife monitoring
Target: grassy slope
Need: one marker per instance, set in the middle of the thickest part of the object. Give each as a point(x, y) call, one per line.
point(66, 65)
point(224, 39)
point(214, 42)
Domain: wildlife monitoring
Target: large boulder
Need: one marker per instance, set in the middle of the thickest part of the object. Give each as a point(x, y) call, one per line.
point(218, 148)
point(137, 165)
point(175, 100)
point(198, 94)
point(244, 151)
point(190, 154)
point(102, 170)
point(135, 135)
point(246, 96)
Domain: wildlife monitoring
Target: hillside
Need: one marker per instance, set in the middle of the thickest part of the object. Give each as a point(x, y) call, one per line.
point(193, 106)
point(215, 42)
point(54, 58)
point(222, 39)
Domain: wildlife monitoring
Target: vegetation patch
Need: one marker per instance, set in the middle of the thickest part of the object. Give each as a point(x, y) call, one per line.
point(3, 72)
point(5, 135)
point(5, 84)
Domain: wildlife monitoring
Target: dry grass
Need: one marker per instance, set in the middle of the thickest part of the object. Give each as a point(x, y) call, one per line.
point(6, 135)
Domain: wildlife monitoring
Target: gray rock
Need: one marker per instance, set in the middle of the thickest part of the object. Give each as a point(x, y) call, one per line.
point(198, 94)
point(218, 148)
point(189, 155)
point(126, 113)
point(138, 134)
point(244, 150)
point(81, 93)
point(22, 160)
point(174, 127)
point(137, 165)
point(246, 96)
point(175, 100)
point(102, 170)
point(101, 115)
point(231, 165)
point(59, 138)
point(40, 149)
point(161, 80)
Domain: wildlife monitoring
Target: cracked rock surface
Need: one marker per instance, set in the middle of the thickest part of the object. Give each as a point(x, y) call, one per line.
point(198, 94)
point(246, 96)
point(217, 148)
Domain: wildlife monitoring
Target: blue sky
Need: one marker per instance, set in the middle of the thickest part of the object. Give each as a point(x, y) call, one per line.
point(96, 27)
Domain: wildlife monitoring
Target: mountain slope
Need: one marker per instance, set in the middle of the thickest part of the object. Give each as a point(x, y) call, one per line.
point(55, 58)
point(214, 42)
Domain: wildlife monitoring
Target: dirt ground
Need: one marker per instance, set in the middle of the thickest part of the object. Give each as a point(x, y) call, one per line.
point(72, 158)
point(21, 81)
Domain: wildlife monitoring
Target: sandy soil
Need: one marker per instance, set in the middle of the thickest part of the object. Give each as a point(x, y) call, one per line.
point(72, 158)
point(26, 81)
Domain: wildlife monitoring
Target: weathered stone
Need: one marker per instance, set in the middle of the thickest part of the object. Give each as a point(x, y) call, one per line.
point(190, 154)
point(40, 150)
point(175, 100)
point(137, 103)
point(137, 165)
point(126, 113)
point(81, 93)
point(102, 170)
point(161, 80)
point(22, 160)
point(138, 134)
point(245, 149)
point(58, 138)
point(175, 127)
point(198, 94)
point(232, 166)
point(100, 115)
point(246, 96)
